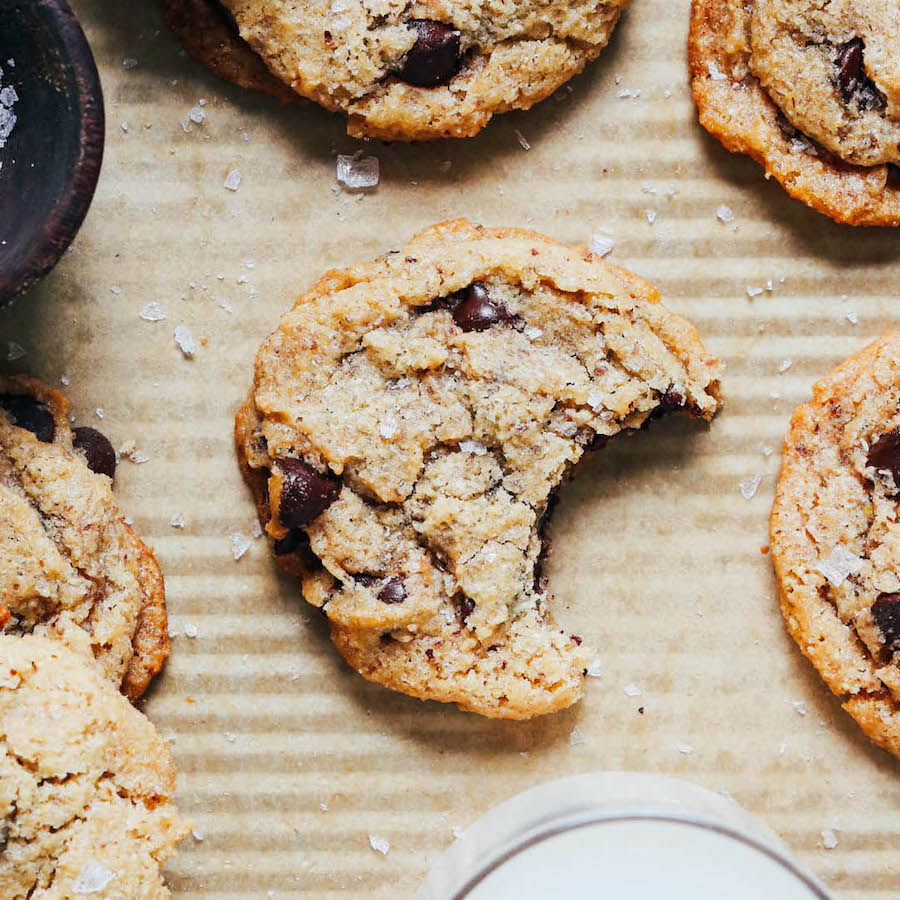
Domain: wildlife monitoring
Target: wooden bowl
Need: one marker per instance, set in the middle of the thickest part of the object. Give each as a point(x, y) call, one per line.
point(51, 161)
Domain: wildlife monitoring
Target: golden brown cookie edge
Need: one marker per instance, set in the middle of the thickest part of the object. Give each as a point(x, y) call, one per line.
point(846, 193)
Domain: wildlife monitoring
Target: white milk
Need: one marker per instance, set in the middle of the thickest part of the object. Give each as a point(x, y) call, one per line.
point(641, 860)
point(619, 836)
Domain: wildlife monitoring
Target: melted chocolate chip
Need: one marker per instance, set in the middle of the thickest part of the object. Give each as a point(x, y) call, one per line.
point(305, 493)
point(364, 578)
point(884, 454)
point(465, 606)
point(394, 591)
point(434, 58)
point(27, 413)
point(886, 612)
point(478, 312)
point(96, 449)
point(852, 80)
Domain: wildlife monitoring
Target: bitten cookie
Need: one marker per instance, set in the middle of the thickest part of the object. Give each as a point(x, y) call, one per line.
point(85, 782)
point(835, 535)
point(809, 90)
point(409, 423)
point(70, 568)
point(399, 71)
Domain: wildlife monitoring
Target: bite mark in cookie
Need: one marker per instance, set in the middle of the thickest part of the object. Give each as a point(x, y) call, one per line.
point(835, 535)
point(810, 92)
point(441, 394)
point(69, 567)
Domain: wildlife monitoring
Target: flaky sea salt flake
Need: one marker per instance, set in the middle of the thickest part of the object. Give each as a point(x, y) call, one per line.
point(152, 312)
point(476, 448)
point(379, 844)
point(800, 707)
point(749, 486)
point(232, 180)
point(632, 690)
point(595, 669)
point(93, 878)
point(358, 172)
point(829, 839)
point(602, 243)
point(14, 351)
point(523, 142)
point(576, 736)
point(725, 214)
point(197, 115)
point(841, 564)
point(185, 341)
point(685, 749)
point(240, 544)
point(177, 521)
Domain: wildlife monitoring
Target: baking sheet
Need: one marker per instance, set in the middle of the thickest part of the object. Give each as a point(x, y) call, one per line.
point(289, 761)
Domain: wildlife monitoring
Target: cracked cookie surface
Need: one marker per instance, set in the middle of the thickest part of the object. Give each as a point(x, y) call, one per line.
point(70, 568)
point(809, 90)
point(85, 782)
point(409, 424)
point(835, 535)
point(401, 71)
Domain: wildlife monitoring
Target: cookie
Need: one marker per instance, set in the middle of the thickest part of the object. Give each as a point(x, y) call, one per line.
point(209, 34)
point(809, 90)
point(835, 535)
point(70, 568)
point(400, 71)
point(86, 784)
point(409, 424)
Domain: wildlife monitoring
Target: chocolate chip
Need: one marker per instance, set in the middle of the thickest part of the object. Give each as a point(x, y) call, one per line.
point(852, 80)
point(886, 612)
point(26, 412)
point(893, 176)
point(478, 312)
point(96, 449)
point(394, 591)
point(465, 606)
point(672, 399)
point(429, 653)
point(434, 58)
point(364, 578)
point(305, 493)
point(884, 454)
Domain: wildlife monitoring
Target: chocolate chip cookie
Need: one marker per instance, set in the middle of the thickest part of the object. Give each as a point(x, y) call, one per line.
point(809, 90)
point(409, 424)
point(70, 568)
point(835, 535)
point(85, 782)
point(399, 71)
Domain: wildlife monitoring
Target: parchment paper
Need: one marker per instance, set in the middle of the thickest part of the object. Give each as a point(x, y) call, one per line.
point(289, 761)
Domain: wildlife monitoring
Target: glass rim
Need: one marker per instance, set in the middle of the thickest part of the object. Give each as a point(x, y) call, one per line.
point(599, 817)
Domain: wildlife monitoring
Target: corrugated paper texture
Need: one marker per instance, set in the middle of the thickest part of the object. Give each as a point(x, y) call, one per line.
point(289, 761)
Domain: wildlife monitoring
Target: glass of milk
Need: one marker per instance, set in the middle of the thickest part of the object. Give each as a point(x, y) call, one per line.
point(619, 836)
